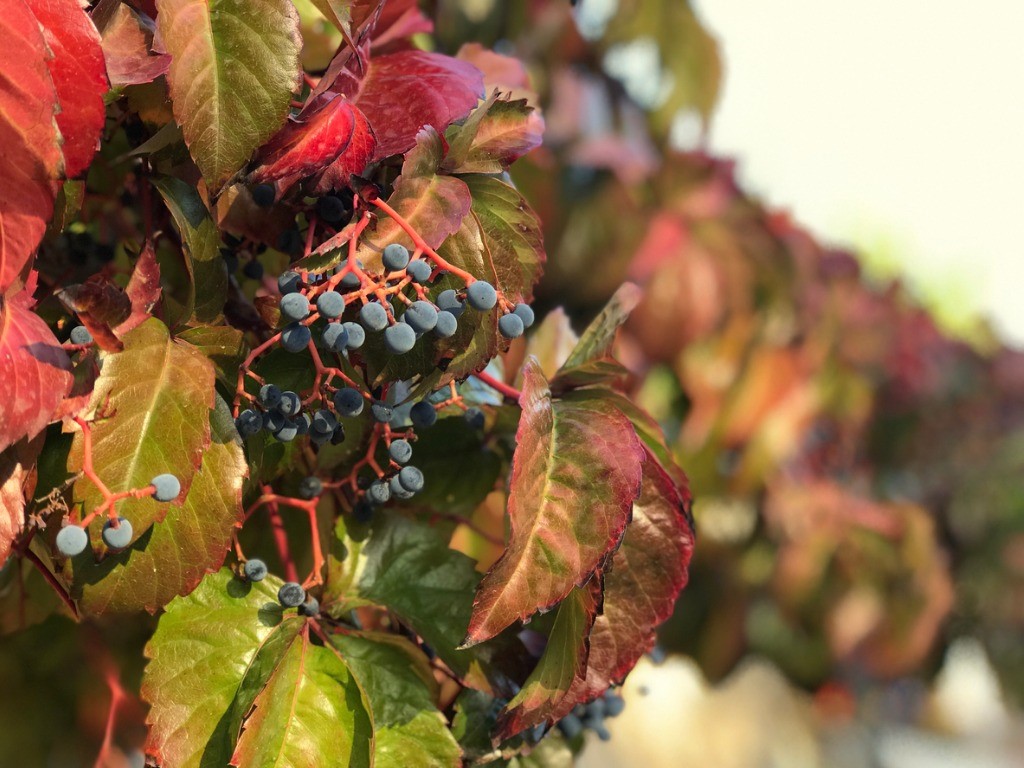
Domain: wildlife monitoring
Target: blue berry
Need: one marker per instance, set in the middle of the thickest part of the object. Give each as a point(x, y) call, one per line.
point(253, 269)
point(274, 421)
point(614, 704)
point(295, 337)
point(291, 594)
point(72, 540)
point(525, 313)
point(570, 726)
point(400, 451)
point(447, 324)
point(310, 488)
point(80, 335)
point(421, 316)
point(395, 257)
point(324, 422)
point(287, 433)
point(166, 487)
point(311, 607)
point(290, 403)
point(249, 422)
point(481, 296)
point(263, 195)
point(397, 490)
point(348, 401)
point(335, 336)
point(510, 326)
point(331, 209)
point(356, 335)
point(423, 415)
point(294, 307)
point(399, 338)
point(373, 316)
point(330, 304)
point(411, 479)
point(449, 301)
point(351, 280)
point(379, 492)
point(255, 570)
point(419, 271)
point(475, 418)
point(362, 511)
point(119, 537)
point(270, 396)
point(289, 282)
point(381, 411)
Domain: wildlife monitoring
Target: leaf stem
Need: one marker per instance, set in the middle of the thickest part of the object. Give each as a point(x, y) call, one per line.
point(505, 389)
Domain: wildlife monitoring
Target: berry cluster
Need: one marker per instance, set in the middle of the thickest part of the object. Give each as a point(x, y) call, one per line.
point(592, 716)
point(117, 531)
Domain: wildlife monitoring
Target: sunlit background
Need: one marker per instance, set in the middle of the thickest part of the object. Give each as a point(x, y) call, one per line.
point(892, 129)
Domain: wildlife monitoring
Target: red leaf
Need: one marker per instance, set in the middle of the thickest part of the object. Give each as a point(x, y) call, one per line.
point(35, 373)
point(79, 75)
point(30, 156)
point(127, 43)
point(505, 72)
point(402, 92)
point(16, 483)
point(330, 136)
point(575, 474)
point(647, 574)
point(143, 289)
point(100, 305)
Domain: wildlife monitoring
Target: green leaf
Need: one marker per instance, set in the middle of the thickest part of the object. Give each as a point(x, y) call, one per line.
point(400, 685)
point(401, 552)
point(552, 752)
point(575, 474)
point(234, 65)
point(596, 342)
point(200, 240)
point(233, 678)
point(494, 136)
point(202, 650)
point(552, 341)
point(512, 235)
point(152, 403)
point(172, 557)
point(310, 710)
point(224, 345)
point(563, 663)
point(476, 714)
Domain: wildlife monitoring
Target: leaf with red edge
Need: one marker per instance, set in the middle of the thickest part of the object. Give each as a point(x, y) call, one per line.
point(143, 289)
point(402, 92)
point(79, 75)
point(127, 45)
point(35, 372)
point(563, 665)
point(646, 576)
point(575, 475)
point(329, 134)
point(434, 205)
point(172, 557)
point(398, 19)
point(100, 305)
point(30, 156)
point(494, 137)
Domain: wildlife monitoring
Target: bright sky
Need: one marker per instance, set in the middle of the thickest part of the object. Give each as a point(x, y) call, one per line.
point(897, 126)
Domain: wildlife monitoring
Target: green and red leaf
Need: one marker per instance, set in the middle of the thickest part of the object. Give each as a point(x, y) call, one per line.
point(152, 390)
point(178, 551)
point(35, 372)
point(233, 68)
point(576, 472)
point(128, 45)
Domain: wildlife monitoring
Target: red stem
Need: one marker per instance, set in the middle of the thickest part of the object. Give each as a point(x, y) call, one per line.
point(493, 383)
point(52, 581)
